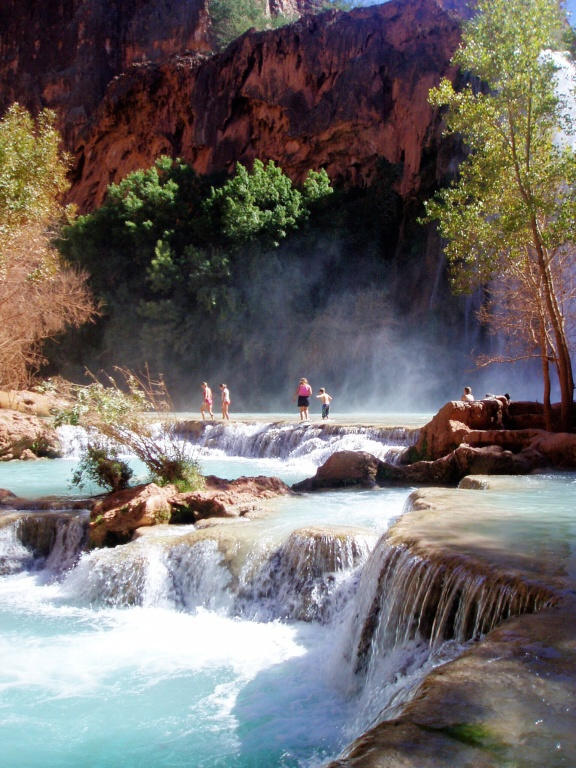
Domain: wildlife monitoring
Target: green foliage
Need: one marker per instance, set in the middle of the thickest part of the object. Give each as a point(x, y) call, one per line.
point(263, 203)
point(32, 169)
point(181, 471)
point(511, 214)
point(169, 252)
point(102, 466)
point(231, 18)
point(120, 417)
point(516, 171)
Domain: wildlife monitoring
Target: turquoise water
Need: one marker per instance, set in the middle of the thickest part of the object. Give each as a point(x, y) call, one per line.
point(53, 477)
point(157, 686)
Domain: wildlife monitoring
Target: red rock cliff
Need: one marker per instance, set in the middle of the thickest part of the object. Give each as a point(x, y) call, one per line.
point(63, 53)
point(337, 90)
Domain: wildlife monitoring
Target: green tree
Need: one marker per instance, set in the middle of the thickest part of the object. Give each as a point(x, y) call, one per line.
point(263, 203)
point(231, 18)
point(171, 254)
point(39, 295)
point(510, 215)
point(32, 170)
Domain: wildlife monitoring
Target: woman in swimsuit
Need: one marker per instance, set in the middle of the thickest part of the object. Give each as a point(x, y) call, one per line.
point(303, 394)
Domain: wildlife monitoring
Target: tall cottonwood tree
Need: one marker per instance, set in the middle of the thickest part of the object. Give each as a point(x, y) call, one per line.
point(39, 295)
point(510, 216)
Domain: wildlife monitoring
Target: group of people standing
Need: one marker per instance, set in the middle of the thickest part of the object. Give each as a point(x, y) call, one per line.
point(206, 407)
point(303, 395)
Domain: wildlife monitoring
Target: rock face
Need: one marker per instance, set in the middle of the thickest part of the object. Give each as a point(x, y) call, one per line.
point(343, 469)
point(458, 426)
point(131, 81)
point(115, 517)
point(336, 90)
point(453, 423)
point(348, 468)
point(226, 498)
point(63, 53)
point(23, 435)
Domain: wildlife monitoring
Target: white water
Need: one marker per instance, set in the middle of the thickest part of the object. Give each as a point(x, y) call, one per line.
point(162, 653)
point(205, 650)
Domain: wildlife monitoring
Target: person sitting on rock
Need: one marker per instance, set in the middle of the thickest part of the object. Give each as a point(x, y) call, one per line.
point(467, 396)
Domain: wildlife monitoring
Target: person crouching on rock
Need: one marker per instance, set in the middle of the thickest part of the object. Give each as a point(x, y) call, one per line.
point(206, 406)
point(467, 395)
point(325, 399)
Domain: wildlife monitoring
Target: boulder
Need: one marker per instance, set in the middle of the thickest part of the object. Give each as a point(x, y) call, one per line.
point(343, 469)
point(346, 468)
point(25, 401)
point(116, 516)
point(24, 435)
point(453, 422)
point(226, 498)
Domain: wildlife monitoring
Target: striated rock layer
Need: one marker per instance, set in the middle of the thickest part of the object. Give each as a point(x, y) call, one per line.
point(63, 53)
point(335, 90)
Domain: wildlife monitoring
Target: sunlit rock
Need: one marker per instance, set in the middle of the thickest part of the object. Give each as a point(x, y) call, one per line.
point(114, 517)
point(24, 433)
point(343, 469)
point(226, 498)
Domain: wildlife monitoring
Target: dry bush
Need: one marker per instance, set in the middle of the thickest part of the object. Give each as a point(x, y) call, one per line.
point(39, 298)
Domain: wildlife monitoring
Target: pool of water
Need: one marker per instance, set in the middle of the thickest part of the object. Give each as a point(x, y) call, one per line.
point(151, 686)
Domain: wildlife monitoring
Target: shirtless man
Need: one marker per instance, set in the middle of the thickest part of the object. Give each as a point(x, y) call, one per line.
point(206, 406)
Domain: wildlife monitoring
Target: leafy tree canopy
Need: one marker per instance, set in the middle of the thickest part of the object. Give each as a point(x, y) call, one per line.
point(263, 203)
point(32, 169)
point(511, 212)
point(231, 18)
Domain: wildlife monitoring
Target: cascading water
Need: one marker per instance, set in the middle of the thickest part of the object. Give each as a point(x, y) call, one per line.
point(35, 540)
point(315, 442)
point(265, 642)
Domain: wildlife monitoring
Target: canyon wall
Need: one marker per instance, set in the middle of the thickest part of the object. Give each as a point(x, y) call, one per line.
point(62, 54)
point(335, 90)
point(132, 80)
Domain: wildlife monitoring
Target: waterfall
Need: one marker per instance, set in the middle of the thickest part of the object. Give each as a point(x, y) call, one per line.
point(41, 540)
point(408, 598)
point(308, 577)
point(294, 441)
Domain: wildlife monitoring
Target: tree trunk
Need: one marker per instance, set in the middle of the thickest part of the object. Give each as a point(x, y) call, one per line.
point(565, 375)
point(546, 377)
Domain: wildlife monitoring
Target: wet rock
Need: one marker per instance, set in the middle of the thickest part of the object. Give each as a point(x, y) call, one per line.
point(116, 516)
point(21, 433)
point(226, 498)
point(343, 469)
